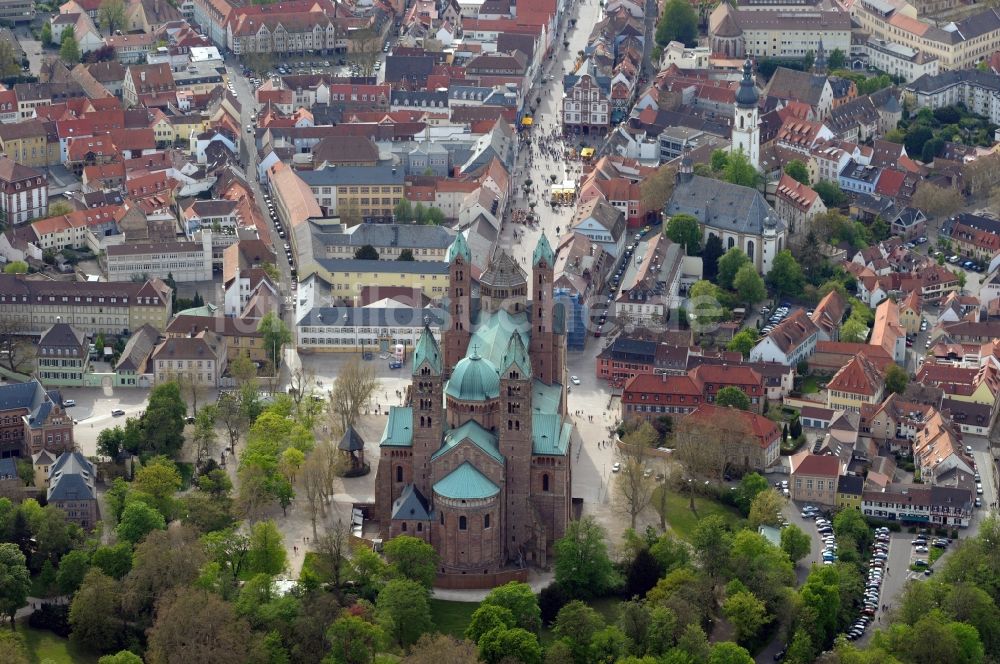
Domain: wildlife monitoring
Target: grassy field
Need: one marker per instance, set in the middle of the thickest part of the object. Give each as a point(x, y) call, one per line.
point(683, 521)
point(43, 645)
point(452, 617)
point(810, 384)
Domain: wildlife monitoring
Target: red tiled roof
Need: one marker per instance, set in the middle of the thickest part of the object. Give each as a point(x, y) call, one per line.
point(763, 428)
point(816, 464)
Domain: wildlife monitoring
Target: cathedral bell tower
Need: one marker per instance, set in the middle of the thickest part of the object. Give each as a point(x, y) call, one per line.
point(427, 402)
point(457, 330)
point(544, 359)
point(746, 124)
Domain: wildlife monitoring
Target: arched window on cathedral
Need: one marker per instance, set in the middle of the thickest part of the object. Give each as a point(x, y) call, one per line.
point(750, 249)
point(545, 482)
point(404, 527)
point(463, 523)
point(741, 122)
point(399, 473)
point(486, 521)
point(420, 527)
point(730, 243)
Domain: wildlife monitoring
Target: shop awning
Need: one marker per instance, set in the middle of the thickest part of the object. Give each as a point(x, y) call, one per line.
point(527, 121)
point(587, 153)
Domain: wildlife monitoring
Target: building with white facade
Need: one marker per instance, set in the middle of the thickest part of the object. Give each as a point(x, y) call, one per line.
point(978, 90)
point(186, 261)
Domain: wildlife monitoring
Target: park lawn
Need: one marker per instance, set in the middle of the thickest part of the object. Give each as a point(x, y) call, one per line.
point(452, 617)
point(934, 554)
point(43, 645)
point(683, 521)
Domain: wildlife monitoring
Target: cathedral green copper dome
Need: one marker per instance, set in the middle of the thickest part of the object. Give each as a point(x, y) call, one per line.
point(474, 379)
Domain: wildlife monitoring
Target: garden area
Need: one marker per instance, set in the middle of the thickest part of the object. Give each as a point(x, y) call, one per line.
point(44, 646)
point(683, 521)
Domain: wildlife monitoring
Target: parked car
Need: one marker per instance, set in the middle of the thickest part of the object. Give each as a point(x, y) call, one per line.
point(117, 412)
point(68, 403)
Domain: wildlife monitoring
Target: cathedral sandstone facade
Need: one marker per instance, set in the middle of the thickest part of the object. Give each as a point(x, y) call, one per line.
point(477, 463)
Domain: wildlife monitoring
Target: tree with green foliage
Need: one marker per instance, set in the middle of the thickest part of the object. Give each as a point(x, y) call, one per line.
point(406, 255)
point(853, 331)
point(515, 644)
point(138, 520)
point(366, 253)
point(896, 379)
point(72, 568)
point(94, 614)
point(785, 276)
point(69, 49)
point(403, 611)
point(683, 229)
point(749, 286)
point(830, 193)
point(796, 170)
point(765, 509)
point(16, 267)
point(747, 615)
point(412, 558)
point(740, 171)
point(160, 479)
point(750, 485)
point(353, 640)
point(710, 255)
point(122, 657)
point(576, 625)
point(520, 600)
point(583, 567)
point(275, 336)
point(162, 425)
point(732, 396)
point(729, 266)
point(719, 160)
point(266, 550)
point(15, 581)
point(45, 35)
point(679, 22)
point(403, 211)
point(795, 542)
point(487, 617)
point(836, 59)
point(114, 560)
point(744, 341)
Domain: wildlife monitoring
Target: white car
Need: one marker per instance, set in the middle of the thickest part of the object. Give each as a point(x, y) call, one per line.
point(68, 403)
point(574, 380)
point(616, 467)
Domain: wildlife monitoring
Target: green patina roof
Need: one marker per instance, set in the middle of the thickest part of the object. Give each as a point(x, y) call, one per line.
point(543, 250)
point(549, 434)
point(204, 310)
point(476, 434)
point(459, 248)
point(399, 428)
point(493, 332)
point(427, 349)
point(474, 379)
point(466, 483)
point(545, 398)
point(516, 354)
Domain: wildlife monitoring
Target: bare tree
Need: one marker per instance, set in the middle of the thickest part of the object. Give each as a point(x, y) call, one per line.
point(937, 201)
point(634, 484)
point(312, 478)
point(17, 352)
point(230, 413)
point(365, 47)
point(253, 494)
point(657, 188)
point(301, 382)
point(351, 391)
point(661, 497)
point(190, 388)
point(335, 544)
point(706, 448)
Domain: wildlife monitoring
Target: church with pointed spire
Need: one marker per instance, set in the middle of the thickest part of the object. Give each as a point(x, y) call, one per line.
point(478, 460)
